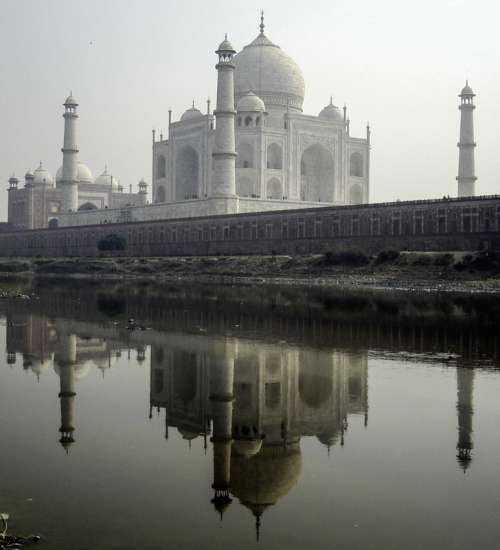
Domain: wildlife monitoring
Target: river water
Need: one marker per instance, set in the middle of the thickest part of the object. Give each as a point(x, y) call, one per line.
point(140, 416)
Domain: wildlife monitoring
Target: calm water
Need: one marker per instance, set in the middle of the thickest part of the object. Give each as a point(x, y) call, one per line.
point(249, 418)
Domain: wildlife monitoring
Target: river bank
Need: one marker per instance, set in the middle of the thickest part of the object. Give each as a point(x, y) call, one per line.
point(419, 271)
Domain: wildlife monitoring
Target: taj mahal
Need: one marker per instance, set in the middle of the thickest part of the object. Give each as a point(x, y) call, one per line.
point(258, 151)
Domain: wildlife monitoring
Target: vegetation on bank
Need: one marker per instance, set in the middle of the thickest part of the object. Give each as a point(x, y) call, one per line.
point(332, 265)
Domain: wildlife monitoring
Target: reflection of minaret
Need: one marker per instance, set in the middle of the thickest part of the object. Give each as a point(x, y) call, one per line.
point(221, 398)
point(66, 361)
point(465, 383)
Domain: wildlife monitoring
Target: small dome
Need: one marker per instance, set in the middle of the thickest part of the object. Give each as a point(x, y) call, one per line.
point(28, 175)
point(80, 371)
point(331, 112)
point(467, 90)
point(225, 46)
point(191, 113)
point(70, 100)
point(250, 103)
point(41, 176)
point(83, 174)
point(107, 179)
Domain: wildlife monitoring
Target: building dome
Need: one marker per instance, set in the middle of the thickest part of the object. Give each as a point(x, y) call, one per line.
point(188, 435)
point(467, 90)
point(83, 174)
point(80, 370)
point(70, 100)
point(250, 103)
point(264, 68)
point(331, 112)
point(41, 176)
point(191, 113)
point(225, 46)
point(107, 179)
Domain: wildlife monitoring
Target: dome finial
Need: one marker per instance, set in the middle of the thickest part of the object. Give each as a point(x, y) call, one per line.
point(193, 105)
point(331, 100)
point(262, 22)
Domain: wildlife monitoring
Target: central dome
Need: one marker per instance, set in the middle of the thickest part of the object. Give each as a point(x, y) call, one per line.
point(265, 69)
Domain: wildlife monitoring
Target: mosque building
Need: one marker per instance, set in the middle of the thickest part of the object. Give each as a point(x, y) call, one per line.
point(282, 154)
point(74, 189)
point(256, 152)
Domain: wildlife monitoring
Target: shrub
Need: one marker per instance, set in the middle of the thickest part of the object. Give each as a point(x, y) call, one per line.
point(387, 256)
point(112, 242)
point(347, 257)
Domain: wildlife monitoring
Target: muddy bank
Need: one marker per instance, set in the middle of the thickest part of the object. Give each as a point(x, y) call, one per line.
point(457, 272)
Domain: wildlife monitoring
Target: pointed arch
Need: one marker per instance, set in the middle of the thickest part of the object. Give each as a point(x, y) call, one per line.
point(356, 165)
point(187, 167)
point(245, 157)
point(275, 157)
point(317, 175)
point(161, 167)
point(274, 189)
point(356, 195)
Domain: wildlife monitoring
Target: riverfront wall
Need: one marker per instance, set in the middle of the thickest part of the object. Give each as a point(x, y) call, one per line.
point(448, 224)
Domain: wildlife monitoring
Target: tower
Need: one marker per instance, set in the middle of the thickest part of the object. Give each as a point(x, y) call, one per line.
point(66, 360)
point(221, 398)
point(466, 178)
point(465, 412)
point(69, 181)
point(224, 155)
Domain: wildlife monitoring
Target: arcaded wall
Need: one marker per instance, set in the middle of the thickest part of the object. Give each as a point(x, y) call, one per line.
point(448, 224)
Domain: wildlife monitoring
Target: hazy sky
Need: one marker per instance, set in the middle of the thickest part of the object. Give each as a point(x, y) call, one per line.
point(397, 64)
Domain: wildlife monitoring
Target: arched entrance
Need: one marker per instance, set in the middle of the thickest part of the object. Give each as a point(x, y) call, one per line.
point(87, 206)
point(186, 174)
point(316, 174)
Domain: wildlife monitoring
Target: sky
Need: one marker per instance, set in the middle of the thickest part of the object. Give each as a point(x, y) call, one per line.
point(398, 65)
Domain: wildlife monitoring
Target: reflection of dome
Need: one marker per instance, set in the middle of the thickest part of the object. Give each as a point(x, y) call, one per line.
point(250, 103)
point(39, 366)
point(247, 447)
point(79, 370)
point(83, 174)
point(260, 481)
point(191, 113)
point(187, 434)
point(42, 176)
point(267, 70)
point(331, 112)
point(328, 439)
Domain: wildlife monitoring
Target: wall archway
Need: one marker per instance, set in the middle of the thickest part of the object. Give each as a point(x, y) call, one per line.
point(315, 384)
point(356, 165)
point(53, 223)
point(161, 167)
point(87, 206)
point(185, 376)
point(274, 157)
point(274, 189)
point(186, 173)
point(161, 194)
point(244, 187)
point(245, 157)
point(317, 177)
point(356, 195)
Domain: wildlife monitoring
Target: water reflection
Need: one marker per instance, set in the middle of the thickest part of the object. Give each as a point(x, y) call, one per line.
point(253, 401)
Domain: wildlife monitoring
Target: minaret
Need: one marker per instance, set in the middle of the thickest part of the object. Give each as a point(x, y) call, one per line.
point(224, 154)
point(70, 151)
point(66, 359)
point(465, 412)
point(221, 400)
point(466, 178)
